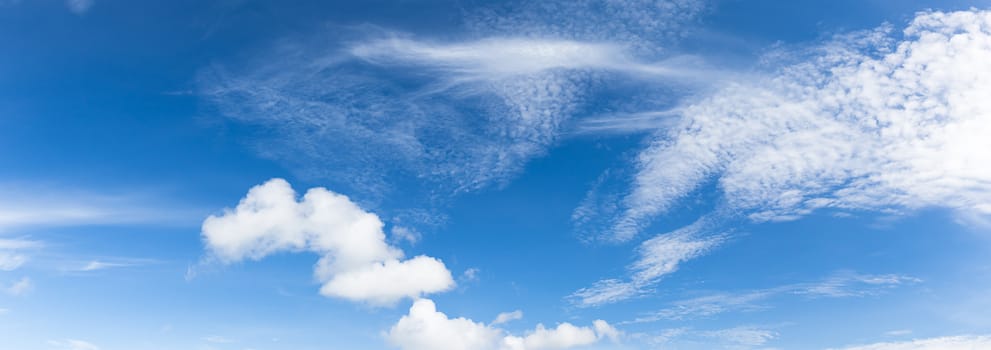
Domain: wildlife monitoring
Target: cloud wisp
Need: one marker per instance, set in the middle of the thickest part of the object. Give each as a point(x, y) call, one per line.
point(356, 261)
point(941, 343)
point(657, 257)
point(31, 206)
point(13, 252)
point(840, 285)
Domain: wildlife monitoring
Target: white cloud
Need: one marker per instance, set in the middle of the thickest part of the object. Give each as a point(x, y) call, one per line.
point(840, 285)
point(79, 7)
point(425, 328)
point(402, 233)
point(657, 257)
point(31, 205)
point(470, 274)
point(73, 344)
point(216, 339)
point(96, 265)
point(505, 317)
point(10, 261)
point(744, 336)
point(11, 252)
point(898, 333)
point(646, 26)
point(356, 263)
point(445, 117)
point(499, 58)
point(868, 123)
point(20, 287)
point(943, 343)
point(736, 338)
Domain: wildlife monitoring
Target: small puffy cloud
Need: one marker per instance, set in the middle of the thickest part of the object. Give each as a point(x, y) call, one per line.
point(10, 261)
point(507, 316)
point(20, 287)
point(73, 344)
point(470, 274)
point(403, 233)
point(385, 282)
point(942, 343)
point(79, 7)
point(425, 328)
point(356, 261)
point(11, 252)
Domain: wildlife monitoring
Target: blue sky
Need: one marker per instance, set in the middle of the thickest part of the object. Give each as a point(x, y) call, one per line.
point(444, 175)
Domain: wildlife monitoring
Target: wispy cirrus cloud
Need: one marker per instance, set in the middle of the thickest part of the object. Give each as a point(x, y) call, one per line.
point(33, 205)
point(13, 252)
point(841, 285)
point(446, 116)
point(737, 338)
point(657, 257)
point(866, 122)
point(941, 343)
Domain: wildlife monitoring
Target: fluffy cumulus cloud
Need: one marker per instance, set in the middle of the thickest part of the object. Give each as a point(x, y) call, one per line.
point(425, 328)
point(356, 262)
point(943, 343)
point(867, 123)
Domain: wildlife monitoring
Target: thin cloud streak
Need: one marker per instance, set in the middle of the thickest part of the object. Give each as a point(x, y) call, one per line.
point(841, 285)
